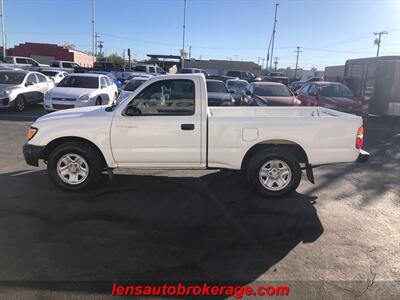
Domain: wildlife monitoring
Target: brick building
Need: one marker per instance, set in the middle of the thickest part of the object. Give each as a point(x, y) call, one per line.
point(46, 53)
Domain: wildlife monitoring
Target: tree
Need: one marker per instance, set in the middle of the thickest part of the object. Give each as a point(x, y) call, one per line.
point(69, 46)
point(112, 58)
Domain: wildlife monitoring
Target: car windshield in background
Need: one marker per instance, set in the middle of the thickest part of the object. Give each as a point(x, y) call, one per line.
point(11, 78)
point(335, 90)
point(237, 84)
point(49, 73)
point(184, 71)
point(272, 90)
point(216, 87)
point(133, 85)
point(140, 69)
point(80, 82)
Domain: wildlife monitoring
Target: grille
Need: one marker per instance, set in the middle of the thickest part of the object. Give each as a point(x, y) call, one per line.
point(62, 106)
point(63, 99)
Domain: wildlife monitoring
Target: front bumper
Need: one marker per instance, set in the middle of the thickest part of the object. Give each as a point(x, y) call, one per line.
point(363, 156)
point(32, 154)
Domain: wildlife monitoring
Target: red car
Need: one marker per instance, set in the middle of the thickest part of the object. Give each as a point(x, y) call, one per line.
point(332, 95)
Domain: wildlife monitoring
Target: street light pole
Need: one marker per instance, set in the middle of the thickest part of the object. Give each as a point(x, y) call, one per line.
point(93, 30)
point(183, 34)
point(3, 35)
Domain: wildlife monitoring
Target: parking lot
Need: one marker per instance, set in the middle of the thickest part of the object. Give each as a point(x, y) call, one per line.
point(338, 237)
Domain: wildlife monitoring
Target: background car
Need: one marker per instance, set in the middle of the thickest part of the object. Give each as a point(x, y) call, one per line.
point(332, 95)
point(276, 77)
point(245, 75)
point(55, 75)
point(193, 70)
point(221, 77)
point(117, 82)
point(270, 94)
point(130, 87)
point(237, 88)
point(77, 90)
point(218, 94)
point(19, 88)
point(295, 85)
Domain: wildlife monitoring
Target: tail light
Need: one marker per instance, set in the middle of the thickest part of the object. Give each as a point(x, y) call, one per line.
point(360, 138)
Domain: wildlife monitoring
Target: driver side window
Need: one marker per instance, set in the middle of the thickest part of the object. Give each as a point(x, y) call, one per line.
point(31, 79)
point(166, 97)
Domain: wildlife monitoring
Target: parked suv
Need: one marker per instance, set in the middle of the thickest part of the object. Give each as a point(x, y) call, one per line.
point(21, 88)
point(22, 62)
point(241, 75)
point(68, 66)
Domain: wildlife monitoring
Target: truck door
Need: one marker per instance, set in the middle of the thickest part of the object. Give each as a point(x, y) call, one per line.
point(160, 127)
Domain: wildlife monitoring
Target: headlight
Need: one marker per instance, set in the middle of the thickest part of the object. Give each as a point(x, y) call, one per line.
point(296, 102)
point(329, 105)
point(32, 132)
point(84, 98)
point(5, 92)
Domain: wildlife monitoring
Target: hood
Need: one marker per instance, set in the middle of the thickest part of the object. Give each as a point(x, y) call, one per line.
point(8, 86)
point(278, 101)
point(75, 113)
point(65, 92)
point(342, 101)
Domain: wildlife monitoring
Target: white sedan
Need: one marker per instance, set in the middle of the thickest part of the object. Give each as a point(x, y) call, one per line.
point(77, 90)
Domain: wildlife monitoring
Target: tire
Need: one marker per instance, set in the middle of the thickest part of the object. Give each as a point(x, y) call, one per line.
point(88, 171)
point(280, 167)
point(98, 101)
point(19, 103)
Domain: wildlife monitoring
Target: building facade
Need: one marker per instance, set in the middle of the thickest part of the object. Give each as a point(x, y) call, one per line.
point(46, 53)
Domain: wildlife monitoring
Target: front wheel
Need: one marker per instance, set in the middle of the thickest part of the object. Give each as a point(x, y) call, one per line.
point(74, 166)
point(19, 103)
point(274, 173)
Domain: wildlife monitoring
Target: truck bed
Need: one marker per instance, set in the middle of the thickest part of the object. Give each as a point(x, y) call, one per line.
point(282, 111)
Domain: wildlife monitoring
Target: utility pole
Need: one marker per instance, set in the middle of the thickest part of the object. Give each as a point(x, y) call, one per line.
point(94, 30)
point(276, 62)
point(96, 36)
point(297, 61)
point(100, 46)
point(3, 35)
point(378, 40)
point(190, 52)
point(273, 33)
point(183, 35)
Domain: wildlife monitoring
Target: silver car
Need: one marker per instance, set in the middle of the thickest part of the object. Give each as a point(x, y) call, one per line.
point(19, 88)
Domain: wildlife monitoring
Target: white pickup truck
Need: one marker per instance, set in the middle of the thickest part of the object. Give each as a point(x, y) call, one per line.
point(166, 124)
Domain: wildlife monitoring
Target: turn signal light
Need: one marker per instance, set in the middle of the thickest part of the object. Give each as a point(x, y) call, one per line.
point(31, 132)
point(360, 138)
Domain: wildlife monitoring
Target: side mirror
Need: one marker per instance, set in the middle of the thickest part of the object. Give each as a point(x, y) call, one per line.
point(132, 111)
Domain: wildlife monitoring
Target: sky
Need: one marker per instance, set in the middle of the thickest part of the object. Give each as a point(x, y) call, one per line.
point(327, 31)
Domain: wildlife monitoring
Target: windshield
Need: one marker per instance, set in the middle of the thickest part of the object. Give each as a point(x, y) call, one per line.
point(216, 87)
point(272, 90)
point(11, 77)
point(140, 69)
point(133, 85)
point(80, 82)
point(237, 84)
point(49, 73)
point(335, 90)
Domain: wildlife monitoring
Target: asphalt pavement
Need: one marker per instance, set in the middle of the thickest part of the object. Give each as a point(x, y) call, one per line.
point(339, 238)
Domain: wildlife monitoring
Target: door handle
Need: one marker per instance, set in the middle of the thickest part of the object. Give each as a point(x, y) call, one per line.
point(187, 126)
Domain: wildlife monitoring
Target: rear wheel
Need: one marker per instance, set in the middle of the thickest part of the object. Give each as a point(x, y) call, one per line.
point(74, 166)
point(20, 103)
point(274, 173)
